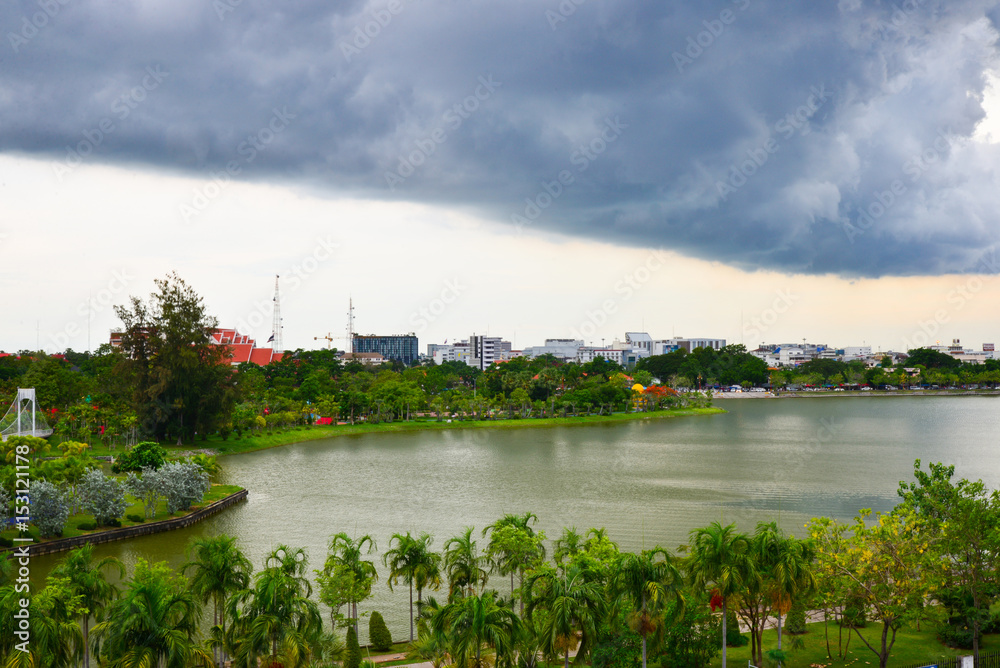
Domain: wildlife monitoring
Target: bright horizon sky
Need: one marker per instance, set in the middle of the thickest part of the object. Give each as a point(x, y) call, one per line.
point(840, 104)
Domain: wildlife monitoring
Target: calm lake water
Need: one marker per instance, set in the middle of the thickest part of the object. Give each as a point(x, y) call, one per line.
point(647, 482)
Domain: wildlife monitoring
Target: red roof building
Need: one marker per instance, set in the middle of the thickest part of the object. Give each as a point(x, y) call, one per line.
point(241, 348)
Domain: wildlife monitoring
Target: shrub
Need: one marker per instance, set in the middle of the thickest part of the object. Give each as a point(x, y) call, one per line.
point(102, 497)
point(182, 484)
point(733, 636)
point(135, 518)
point(378, 633)
point(959, 637)
point(86, 526)
point(352, 658)
point(6, 542)
point(147, 488)
point(147, 454)
point(4, 506)
point(795, 622)
point(49, 509)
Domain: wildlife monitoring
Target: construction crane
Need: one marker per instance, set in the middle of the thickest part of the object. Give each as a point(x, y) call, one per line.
point(329, 339)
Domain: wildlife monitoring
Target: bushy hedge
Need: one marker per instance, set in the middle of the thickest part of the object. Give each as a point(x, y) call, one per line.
point(147, 454)
point(352, 657)
point(378, 633)
point(795, 622)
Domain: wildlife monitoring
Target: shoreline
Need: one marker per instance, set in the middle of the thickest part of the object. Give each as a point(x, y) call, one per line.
point(314, 433)
point(855, 394)
point(110, 535)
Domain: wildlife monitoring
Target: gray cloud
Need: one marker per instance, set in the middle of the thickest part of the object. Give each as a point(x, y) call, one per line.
point(807, 137)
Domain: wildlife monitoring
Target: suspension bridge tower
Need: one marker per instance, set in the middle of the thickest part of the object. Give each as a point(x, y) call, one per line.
point(23, 417)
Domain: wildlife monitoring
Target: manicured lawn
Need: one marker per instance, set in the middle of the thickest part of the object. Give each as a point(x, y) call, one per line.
point(214, 494)
point(912, 647)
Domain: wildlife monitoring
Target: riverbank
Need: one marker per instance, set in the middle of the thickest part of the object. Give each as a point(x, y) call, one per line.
point(313, 433)
point(785, 394)
point(216, 500)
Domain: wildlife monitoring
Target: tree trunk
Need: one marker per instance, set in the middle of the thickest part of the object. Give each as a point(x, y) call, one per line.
point(723, 632)
point(643, 650)
point(411, 611)
point(826, 631)
point(779, 628)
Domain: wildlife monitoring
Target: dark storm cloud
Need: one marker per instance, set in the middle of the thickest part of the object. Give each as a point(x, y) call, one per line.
point(805, 136)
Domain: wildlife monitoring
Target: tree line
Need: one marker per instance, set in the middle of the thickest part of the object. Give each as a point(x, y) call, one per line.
point(167, 382)
point(505, 596)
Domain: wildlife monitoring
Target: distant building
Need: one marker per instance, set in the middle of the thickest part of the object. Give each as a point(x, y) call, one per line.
point(403, 348)
point(485, 351)
point(640, 342)
point(372, 359)
point(563, 349)
point(618, 356)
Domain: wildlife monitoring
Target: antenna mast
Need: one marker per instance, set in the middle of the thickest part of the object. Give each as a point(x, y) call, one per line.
point(276, 343)
point(350, 326)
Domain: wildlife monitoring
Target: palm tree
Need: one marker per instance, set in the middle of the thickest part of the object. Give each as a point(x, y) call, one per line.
point(55, 641)
point(412, 561)
point(646, 583)
point(474, 623)
point(276, 616)
point(718, 558)
point(464, 564)
point(153, 623)
point(88, 581)
point(514, 546)
point(345, 553)
point(568, 545)
point(573, 604)
point(220, 569)
point(786, 563)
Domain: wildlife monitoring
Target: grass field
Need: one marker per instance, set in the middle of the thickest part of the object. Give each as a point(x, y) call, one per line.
point(911, 647)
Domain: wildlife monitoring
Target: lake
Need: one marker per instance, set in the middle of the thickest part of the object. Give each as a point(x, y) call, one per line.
point(648, 482)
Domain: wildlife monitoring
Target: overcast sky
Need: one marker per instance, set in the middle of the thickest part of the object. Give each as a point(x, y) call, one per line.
point(753, 170)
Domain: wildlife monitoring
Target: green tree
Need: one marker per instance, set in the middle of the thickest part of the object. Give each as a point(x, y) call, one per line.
point(515, 547)
point(88, 581)
point(182, 383)
point(275, 618)
point(571, 604)
point(464, 564)
point(411, 560)
point(474, 625)
point(718, 556)
point(154, 623)
point(347, 574)
point(964, 518)
point(648, 581)
point(218, 570)
point(888, 563)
